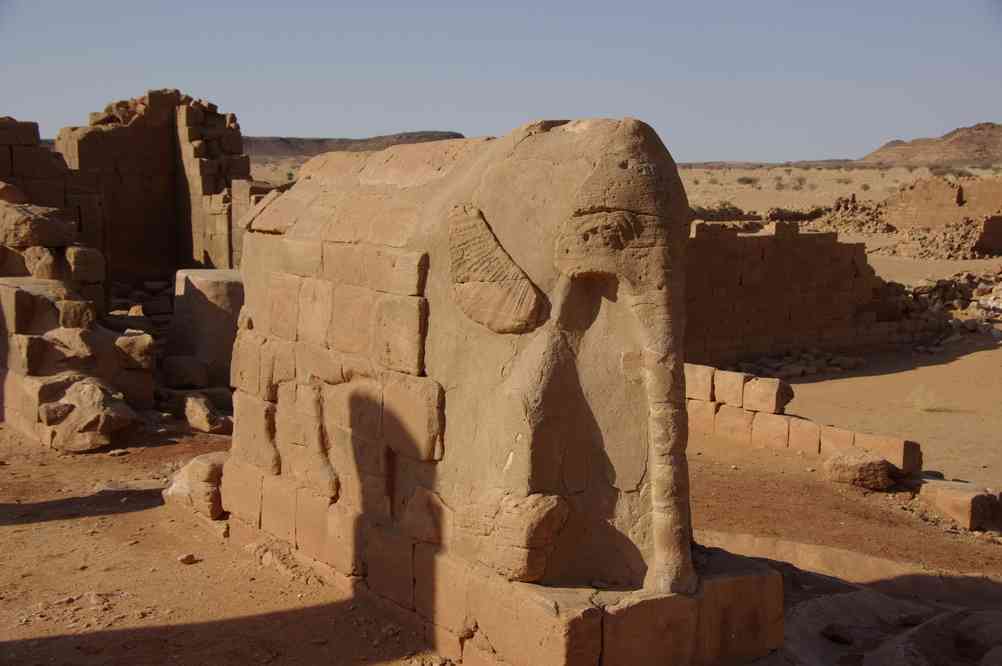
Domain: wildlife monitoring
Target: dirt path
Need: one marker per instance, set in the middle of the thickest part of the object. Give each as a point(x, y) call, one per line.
point(90, 575)
point(774, 493)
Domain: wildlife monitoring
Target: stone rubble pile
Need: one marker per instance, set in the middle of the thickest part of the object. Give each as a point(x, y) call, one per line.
point(849, 216)
point(964, 239)
point(804, 363)
point(972, 302)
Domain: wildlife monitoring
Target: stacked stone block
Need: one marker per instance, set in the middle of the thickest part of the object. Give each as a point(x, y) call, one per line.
point(752, 295)
point(746, 410)
point(50, 216)
point(162, 165)
point(212, 157)
point(68, 383)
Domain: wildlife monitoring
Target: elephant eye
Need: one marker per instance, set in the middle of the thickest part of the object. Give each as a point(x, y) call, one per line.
point(488, 285)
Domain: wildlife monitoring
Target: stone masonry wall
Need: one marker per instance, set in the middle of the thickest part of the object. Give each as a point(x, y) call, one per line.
point(753, 295)
point(163, 164)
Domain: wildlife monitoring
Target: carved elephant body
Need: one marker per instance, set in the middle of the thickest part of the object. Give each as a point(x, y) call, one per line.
point(476, 344)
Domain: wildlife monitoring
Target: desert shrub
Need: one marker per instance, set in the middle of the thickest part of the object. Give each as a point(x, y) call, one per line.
point(289, 175)
point(865, 187)
point(843, 181)
point(747, 180)
point(911, 169)
point(812, 187)
point(714, 181)
point(957, 172)
point(695, 181)
point(722, 211)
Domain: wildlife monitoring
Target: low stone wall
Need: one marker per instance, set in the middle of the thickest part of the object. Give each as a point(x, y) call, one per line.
point(748, 411)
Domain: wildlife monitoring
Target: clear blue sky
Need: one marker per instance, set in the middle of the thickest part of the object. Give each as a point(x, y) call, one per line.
point(739, 80)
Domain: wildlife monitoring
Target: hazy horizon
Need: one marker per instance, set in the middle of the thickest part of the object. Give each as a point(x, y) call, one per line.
point(770, 82)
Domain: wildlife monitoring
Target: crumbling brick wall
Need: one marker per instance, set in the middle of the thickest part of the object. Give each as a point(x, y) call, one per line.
point(753, 295)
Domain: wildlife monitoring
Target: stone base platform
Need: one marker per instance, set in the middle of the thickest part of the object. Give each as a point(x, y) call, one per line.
point(472, 616)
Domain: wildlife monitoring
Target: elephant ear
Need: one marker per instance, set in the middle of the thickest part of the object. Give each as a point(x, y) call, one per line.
point(488, 285)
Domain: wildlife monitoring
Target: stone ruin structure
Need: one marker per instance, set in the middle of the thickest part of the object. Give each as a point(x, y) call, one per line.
point(92, 235)
point(750, 295)
point(164, 165)
point(68, 382)
point(459, 388)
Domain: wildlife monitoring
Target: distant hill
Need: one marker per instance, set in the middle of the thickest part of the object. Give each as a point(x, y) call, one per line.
point(278, 147)
point(978, 144)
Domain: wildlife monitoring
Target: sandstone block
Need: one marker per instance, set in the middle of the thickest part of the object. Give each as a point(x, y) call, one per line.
point(734, 425)
point(241, 490)
point(972, 507)
point(37, 162)
point(185, 372)
point(740, 613)
point(389, 560)
point(765, 394)
point(25, 225)
point(278, 364)
point(23, 354)
point(771, 431)
point(196, 485)
point(729, 387)
point(254, 432)
point(202, 416)
point(96, 417)
point(283, 297)
point(245, 371)
point(805, 436)
point(43, 263)
point(699, 381)
point(835, 440)
point(860, 468)
point(427, 518)
point(351, 323)
point(10, 193)
point(48, 192)
point(343, 542)
point(343, 263)
point(400, 272)
point(278, 507)
point(316, 303)
point(356, 406)
point(136, 350)
point(645, 629)
point(398, 333)
point(413, 416)
point(903, 454)
point(311, 523)
point(441, 588)
point(302, 257)
point(527, 624)
point(317, 363)
point(206, 305)
point(18, 133)
point(76, 314)
point(702, 414)
point(86, 264)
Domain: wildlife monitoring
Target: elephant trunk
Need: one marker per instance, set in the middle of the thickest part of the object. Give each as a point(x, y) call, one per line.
point(671, 570)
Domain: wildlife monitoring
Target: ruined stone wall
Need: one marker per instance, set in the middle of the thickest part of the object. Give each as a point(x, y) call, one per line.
point(130, 151)
point(212, 157)
point(936, 201)
point(52, 223)
point(755, 295)
point(163, 164)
